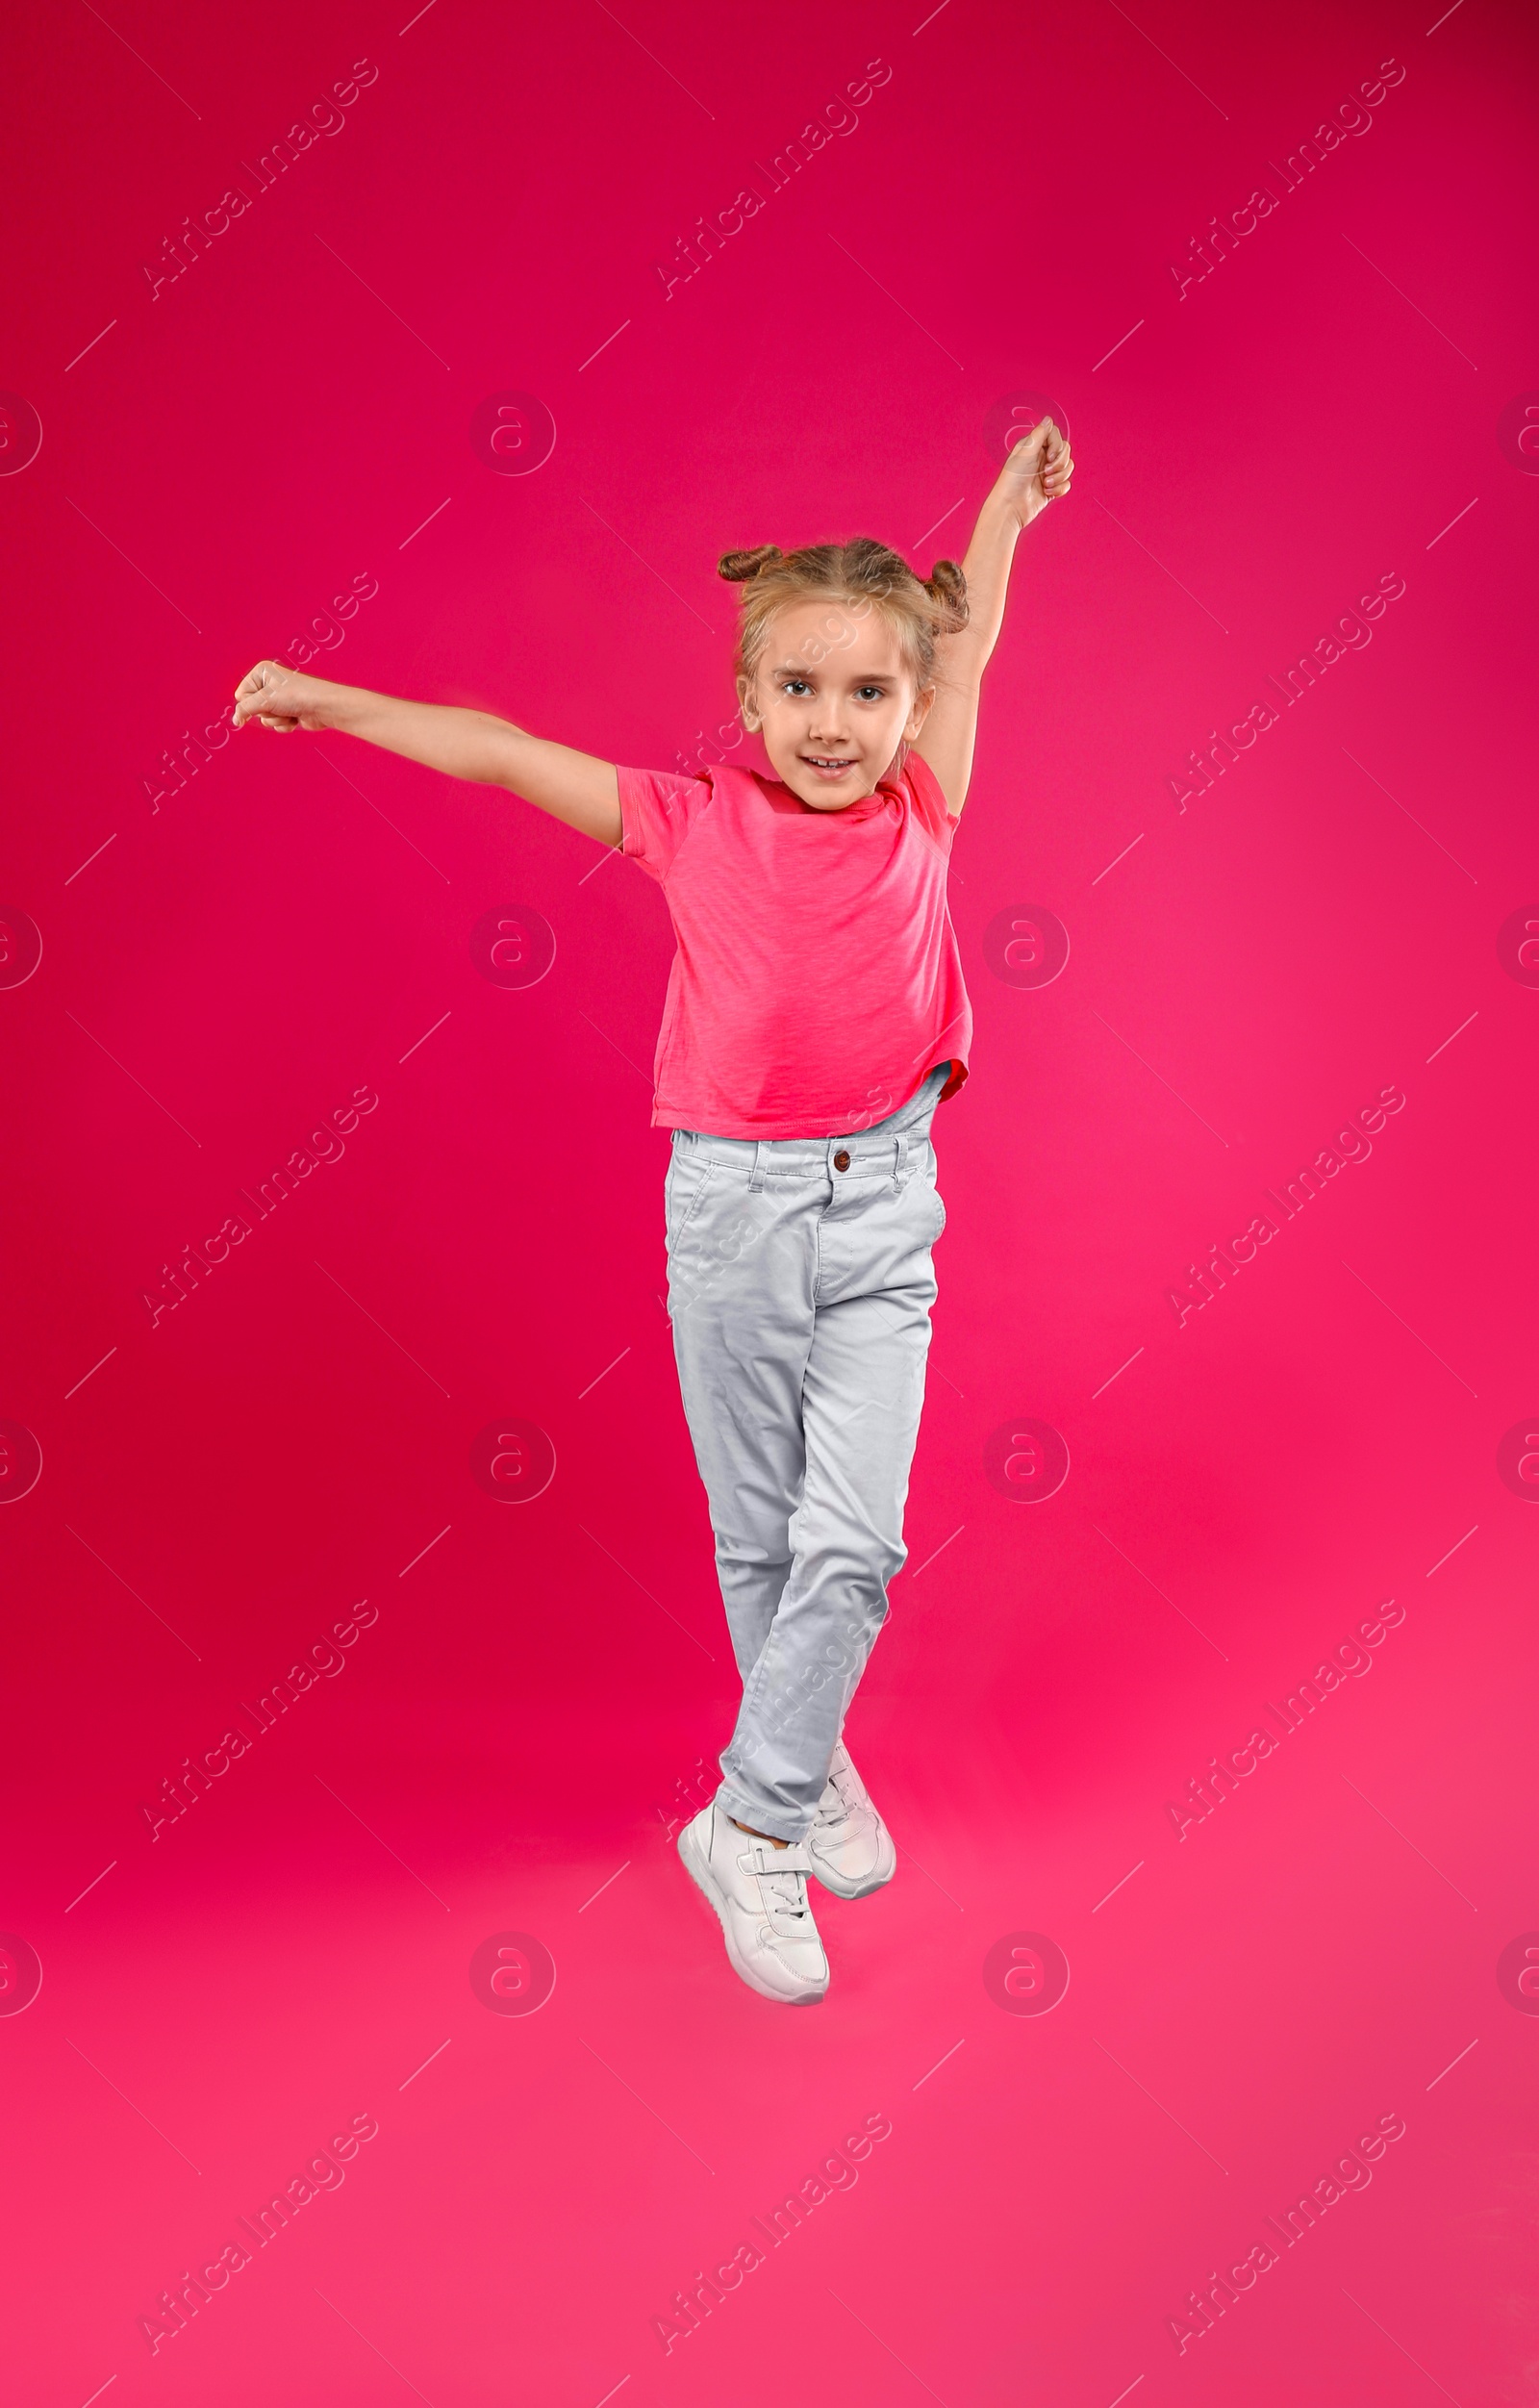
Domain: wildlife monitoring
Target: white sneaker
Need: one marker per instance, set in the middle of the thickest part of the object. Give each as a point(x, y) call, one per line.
point(849, 1846)
point(760, 1893)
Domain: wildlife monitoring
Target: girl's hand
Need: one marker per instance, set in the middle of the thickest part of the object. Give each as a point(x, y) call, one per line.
point(282, 697)
point(1037, 471)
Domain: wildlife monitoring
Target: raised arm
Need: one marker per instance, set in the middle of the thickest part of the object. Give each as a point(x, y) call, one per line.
point(1037, 471)
point(473, 744)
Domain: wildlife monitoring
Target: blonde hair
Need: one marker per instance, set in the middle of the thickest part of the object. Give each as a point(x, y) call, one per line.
point(862, 573)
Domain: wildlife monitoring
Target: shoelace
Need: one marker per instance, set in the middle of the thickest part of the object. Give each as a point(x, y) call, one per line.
point(783, 1897)
point(842, 1785)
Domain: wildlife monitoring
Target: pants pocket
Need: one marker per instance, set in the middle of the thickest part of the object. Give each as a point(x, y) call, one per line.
point(931, 1210)
point(684, 1191)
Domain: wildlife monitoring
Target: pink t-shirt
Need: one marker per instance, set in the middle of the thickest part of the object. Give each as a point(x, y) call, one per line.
point(816, 981)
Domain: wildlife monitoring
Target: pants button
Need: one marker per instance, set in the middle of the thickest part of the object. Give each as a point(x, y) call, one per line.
point(841, 1161)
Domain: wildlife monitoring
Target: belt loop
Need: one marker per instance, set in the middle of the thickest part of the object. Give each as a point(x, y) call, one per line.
point(900, 1144)
point(756, 1175)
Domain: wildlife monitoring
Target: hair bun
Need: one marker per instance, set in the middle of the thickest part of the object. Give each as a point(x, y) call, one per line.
point(738, 567)
point(947, 585)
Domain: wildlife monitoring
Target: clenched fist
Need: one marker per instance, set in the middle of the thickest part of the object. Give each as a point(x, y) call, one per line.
point(282, 697)
point(1037, 471)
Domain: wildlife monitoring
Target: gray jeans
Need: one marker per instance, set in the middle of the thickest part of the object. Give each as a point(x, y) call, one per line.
point(799, 1288)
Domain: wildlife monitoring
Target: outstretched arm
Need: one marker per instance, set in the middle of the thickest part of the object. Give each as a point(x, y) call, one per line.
point(473, 744)
point(1037, 471)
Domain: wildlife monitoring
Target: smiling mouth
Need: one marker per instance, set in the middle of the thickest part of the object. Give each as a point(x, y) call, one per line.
point(829, 764)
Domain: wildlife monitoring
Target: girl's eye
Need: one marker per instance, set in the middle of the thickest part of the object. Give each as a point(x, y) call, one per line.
point(797, 686)
point(870, 694)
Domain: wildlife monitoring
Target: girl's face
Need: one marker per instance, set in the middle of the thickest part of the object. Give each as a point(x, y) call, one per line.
point(833, 700)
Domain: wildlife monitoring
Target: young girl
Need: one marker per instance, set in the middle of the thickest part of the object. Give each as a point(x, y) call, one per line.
point(815, 1015)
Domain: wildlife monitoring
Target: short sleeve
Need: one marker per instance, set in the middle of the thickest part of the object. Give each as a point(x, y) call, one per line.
point(657, 811)
point(928, 800)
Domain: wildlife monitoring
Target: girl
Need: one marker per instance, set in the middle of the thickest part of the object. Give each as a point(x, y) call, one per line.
point(815, 1015)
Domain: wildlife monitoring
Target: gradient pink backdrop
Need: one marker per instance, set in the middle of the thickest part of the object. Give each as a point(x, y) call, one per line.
point(526, 1714)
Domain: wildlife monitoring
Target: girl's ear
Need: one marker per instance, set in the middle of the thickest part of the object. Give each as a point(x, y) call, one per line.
point(920, 712)
point(748, 707)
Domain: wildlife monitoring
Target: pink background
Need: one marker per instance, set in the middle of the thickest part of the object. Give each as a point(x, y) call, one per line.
point(521, 1723)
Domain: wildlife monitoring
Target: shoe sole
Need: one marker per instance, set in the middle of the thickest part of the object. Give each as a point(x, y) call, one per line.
point(700, 1873)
